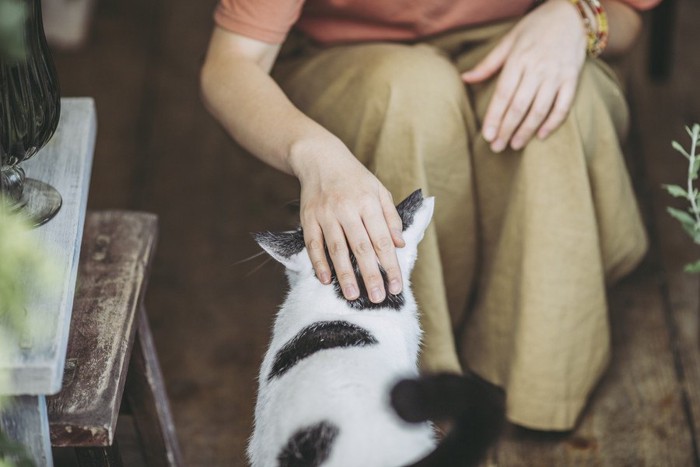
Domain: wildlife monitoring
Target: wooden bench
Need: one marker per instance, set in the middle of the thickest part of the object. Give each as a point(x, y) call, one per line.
point(111, 356)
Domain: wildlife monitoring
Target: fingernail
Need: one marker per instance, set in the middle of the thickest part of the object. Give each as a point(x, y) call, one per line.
point(351, 292)
point(325, 277)
point(498, 146)
point(395, 286)
point(516, 143)
point(376, 295)
point(489, 133)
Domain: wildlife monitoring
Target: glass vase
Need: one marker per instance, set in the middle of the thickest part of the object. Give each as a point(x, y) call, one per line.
point(30, 105)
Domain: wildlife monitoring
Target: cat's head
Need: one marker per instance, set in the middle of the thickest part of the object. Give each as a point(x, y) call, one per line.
point(289, 249)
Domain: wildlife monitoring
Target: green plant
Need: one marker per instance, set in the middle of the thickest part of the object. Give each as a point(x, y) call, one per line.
point(690, 217)
point(22, 261)
point(12, 16)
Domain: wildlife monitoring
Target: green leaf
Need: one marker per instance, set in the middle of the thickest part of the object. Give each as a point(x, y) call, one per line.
point(676, 191)
point(693, 267)
point(677, 146)
point(681, 216)
point(694, 169)
point(693, 132)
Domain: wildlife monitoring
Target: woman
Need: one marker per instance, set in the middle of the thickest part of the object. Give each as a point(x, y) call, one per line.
point(494, 108)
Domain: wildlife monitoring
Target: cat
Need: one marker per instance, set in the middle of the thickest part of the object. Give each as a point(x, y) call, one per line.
point(339, 384)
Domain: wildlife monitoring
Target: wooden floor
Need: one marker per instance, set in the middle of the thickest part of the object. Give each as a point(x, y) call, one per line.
point(158, 150)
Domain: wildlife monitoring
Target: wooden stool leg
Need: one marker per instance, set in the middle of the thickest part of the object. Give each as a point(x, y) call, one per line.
point(148, 400)
point(107, 456)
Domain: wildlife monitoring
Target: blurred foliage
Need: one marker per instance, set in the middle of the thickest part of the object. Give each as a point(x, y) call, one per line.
point(13, 14)
point(22, 262)
point(689, 217)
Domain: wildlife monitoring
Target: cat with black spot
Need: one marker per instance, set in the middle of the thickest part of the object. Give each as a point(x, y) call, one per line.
point(339, 385)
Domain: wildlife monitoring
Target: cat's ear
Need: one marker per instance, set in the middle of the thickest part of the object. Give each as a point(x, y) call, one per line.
point(416, 213)
point(286, 247)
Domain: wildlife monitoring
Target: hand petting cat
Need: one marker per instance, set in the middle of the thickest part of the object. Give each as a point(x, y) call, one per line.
point(343, 204)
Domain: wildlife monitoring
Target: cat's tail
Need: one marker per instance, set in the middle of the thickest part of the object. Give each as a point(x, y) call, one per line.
point(474, 407)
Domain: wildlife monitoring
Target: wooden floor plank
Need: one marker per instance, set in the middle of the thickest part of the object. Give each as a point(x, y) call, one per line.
point(662, 112)
point(635, 416)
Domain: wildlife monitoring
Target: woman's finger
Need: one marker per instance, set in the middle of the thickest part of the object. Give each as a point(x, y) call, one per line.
point(363, 248)
point(393, 220)
point(562, 105)
point(538, 113)
point(378, 230)
point(493, 62)
point(506, 87)
point(340, 256)
point(313, 238)
point(517, 109)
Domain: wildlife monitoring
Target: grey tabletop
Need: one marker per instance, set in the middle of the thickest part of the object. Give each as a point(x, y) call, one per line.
point(36, 367)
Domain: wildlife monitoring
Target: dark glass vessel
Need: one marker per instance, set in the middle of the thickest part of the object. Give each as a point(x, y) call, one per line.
point(29, 112)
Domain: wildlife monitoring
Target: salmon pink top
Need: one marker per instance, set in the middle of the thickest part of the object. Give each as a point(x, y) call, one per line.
point(335, 21)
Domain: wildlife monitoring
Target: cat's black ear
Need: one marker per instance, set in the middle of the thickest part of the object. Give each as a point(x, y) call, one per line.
point(282, 246)
point(408, 207)
point(416, 212)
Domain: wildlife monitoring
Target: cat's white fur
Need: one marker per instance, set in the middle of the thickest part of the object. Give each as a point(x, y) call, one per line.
point(347, 386)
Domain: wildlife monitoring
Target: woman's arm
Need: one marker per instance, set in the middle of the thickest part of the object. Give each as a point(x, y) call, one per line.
point(540, 60)
point(342, 203)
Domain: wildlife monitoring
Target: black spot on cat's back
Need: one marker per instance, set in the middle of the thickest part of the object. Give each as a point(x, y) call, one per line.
point(316, 337)
point(309, 447)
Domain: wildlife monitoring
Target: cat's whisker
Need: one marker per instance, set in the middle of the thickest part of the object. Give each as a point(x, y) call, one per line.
point(250, 258)
point(258, 267)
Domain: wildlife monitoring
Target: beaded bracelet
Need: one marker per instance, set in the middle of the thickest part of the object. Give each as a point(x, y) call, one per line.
point(595, 20)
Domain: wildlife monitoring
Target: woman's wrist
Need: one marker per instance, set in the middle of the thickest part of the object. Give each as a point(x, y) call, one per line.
point(307, 155)
point(595, 21)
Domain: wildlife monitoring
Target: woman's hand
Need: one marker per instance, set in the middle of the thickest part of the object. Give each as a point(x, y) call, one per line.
point(540, 61)
point(343, 204)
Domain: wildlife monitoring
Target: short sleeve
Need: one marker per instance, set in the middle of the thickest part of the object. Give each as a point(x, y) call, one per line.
point(265, 20)
point(642, 4)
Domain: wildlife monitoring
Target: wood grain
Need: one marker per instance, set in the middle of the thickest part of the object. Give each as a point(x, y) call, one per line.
point(149, 403)
point(36, 365)
point(115, 262)
point(636, 415)
point(661, 112)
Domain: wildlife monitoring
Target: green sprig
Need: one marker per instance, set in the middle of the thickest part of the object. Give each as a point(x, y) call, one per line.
point(21, 260)
point(689, 218)
point(13, 15)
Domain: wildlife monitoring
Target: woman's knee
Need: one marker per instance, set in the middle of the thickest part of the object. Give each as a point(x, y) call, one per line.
point(418, 79)
point(600, 104)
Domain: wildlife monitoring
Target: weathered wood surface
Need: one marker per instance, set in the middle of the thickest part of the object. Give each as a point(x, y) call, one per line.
point(636, 415)
point(24, 420)
point(115, 263)
point(108, 456)
point(148, 401)
point(36, 365)
point(661, 112)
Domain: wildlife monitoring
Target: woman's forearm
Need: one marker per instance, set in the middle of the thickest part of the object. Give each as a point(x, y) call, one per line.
point(239, 92)
point(624, 23)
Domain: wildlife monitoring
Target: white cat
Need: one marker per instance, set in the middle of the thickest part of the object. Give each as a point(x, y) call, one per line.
point(325, 394)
